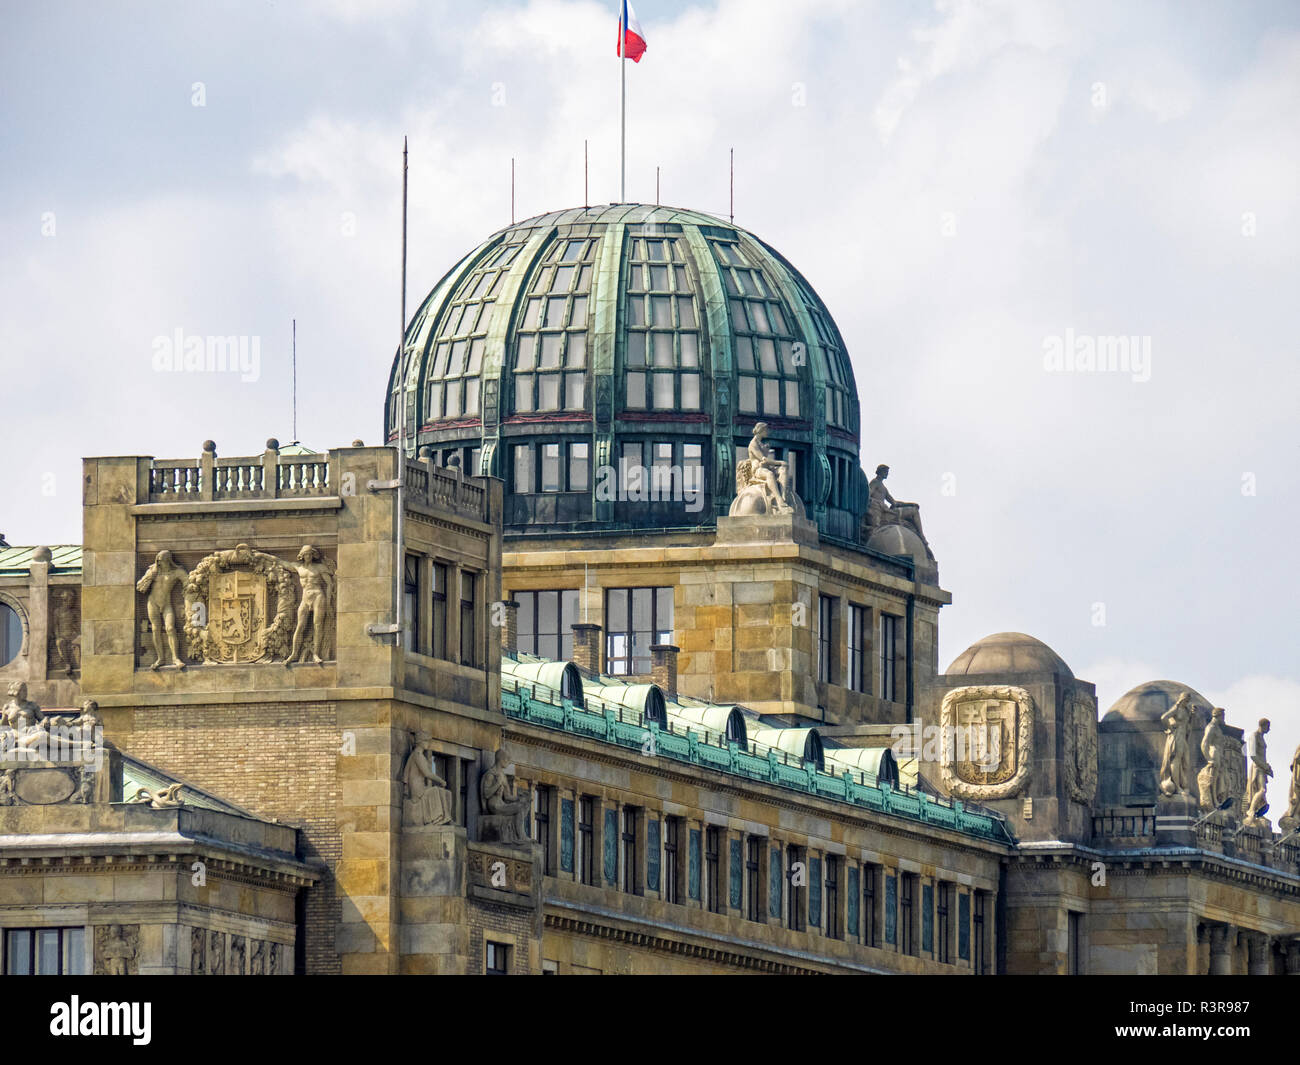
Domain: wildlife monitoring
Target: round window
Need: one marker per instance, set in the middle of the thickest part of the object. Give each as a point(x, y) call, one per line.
point(11, 634)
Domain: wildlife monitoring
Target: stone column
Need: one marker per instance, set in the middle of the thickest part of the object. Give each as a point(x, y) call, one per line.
point(586, 647)
point(1221, 939)
point(1259, 954)
point(663, 669)
point(38, 616)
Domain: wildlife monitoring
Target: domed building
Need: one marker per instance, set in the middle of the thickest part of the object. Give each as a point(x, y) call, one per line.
point(624, 338)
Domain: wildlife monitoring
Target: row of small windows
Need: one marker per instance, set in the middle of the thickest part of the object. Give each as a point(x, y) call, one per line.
point(639, 852)
point(635, 619)
point(662, 471)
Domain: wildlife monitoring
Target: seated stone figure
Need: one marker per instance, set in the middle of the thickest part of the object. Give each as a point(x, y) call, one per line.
point(763, 481)
point(504, 811)
point(427, 800)
point(884, 509)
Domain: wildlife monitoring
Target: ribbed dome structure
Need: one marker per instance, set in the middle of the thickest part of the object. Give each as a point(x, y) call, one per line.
point(570, 350)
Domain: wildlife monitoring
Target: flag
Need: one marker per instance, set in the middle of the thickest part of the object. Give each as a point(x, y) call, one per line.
point(634, 37)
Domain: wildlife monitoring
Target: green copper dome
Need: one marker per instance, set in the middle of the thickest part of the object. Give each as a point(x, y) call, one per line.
point(609, 364)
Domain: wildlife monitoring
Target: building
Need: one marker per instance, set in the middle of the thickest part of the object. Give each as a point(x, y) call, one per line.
point(667, 697)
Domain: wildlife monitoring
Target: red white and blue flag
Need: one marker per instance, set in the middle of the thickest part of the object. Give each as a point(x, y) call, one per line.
point(631, 41)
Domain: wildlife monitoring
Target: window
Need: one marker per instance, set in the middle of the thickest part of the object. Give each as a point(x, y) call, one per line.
point(498, 959)
point(631, 867)
point(858, 648)
point(944, 922)
point(662, 471)
point(542, 825)
point(797, 871)
point(870, 885)
point(906, 912)
point(889, 657)
point(552, 467)
point(551, 341)
point(753, 878)
point(662, 353)
point(468, 645)
point(980, 963)
point(765, 341)
point(1074, 958)
point(545, 622)
point(672, 858)
point(45, 952)
point(456, 359)
point(825, 637)
point(586, 840)
point(439, 612)
point(411, 603)
point(11, 634)
point(635, 618)
point(712, 860)
point(834, 926)
point(828, 354)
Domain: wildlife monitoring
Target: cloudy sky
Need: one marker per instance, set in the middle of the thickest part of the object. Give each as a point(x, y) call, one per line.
point(970, 186)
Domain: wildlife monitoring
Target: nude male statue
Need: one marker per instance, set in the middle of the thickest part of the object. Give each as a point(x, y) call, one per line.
point(157, 584)
point(884, 509)
point(1260, 771)
point(769, 470)
point(317, 587)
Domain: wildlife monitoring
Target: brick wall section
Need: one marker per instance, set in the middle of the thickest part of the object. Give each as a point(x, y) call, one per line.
point(277, 760)
point(503, 924)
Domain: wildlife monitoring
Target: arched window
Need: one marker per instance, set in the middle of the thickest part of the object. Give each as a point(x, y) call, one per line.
point(11, 634)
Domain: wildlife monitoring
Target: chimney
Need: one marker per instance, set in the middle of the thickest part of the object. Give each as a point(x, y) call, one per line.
point(510, 628)
point(586, 648)
point(663, 669)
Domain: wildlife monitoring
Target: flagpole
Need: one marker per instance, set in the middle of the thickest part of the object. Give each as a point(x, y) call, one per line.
point(622, 132)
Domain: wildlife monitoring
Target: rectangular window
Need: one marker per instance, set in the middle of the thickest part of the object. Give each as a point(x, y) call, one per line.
point(672, 858)
point(797, 871)
point(468, 645)
point(889, 627)
point(542, 825)
point(579, 467)
point(45, 952)
point(439, 612)
point(498, 959)
point(834, 928)
point(631, 867)
point(944, 922)
point(906, 912)
point(635, 618)
point(411, 603)
point(525, 469)
point(870, 885)
point(712, 859)
point(586, 840)
point(753, 878)
point(551, 468)
point(545, 622)
point(1074, 959)
point(980, 963)
point(858, 648)
point(825, 637)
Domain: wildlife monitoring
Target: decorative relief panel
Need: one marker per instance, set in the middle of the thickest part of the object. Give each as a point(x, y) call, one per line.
point(987, 741)
point(1081, 748)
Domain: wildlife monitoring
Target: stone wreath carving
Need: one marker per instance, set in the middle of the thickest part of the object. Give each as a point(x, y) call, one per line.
point(239, 607)
point(1081, 750)
point(987, 741)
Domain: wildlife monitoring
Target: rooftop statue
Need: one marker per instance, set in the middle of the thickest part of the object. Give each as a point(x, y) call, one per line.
point(884, 509)
point(1290, 821)
point(1213, 781)
point(1257, 776)
point(1176, 765)
point(763, 481)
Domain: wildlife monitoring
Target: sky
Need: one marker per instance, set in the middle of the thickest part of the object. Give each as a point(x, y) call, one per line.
point(974, 189)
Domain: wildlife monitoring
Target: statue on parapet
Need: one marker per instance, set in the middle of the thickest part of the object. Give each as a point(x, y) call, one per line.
point(1290, 821)
point(1176, 764)
point(503, 810)
point(156, 585)
point(1213, 781)
point(1257, 776)
point(763, 481)
point(884, 509)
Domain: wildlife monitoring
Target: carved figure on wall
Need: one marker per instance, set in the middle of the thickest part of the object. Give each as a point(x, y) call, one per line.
point(116, 951)
point(1176, 764)
point(167, 798)
point(763, 481)
point(217, 953)
point(239, 607)
point(157, 585)
point(7, 795)
point(257, 958)
point(1291, 820)
point(427, 800)
point(1213, 780)
point(19, 713)
point(316, 577)
point(272, 959)
point(884, 509)
point(198, 955)
point(504, 809)
point(1083, 762)
point(85, 792)
point(237, 955)
point(1258, 772)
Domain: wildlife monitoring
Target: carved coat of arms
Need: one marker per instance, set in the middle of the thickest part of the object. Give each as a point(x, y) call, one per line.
point(1081, 748)
point(987, 741)
point(239, 607)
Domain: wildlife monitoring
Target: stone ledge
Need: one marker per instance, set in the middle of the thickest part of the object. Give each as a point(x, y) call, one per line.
point(236, 506)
